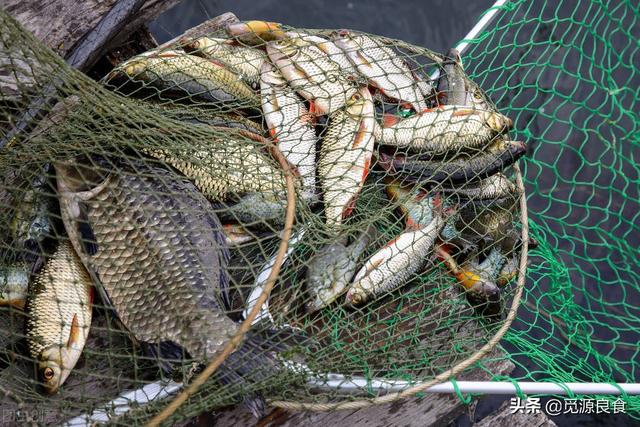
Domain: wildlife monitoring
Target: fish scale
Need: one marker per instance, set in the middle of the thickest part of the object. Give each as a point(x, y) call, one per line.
point(290, 124)
point(395, 263)
point(383, 67)
point(242, 60)
point(175, 241)
point(345, 156)
point(220, 168)
point(312, 74)
point(58, 301)
point(444, 129)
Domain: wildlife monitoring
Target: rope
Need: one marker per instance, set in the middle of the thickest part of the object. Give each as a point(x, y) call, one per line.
point(246, 324)
point(445, 376)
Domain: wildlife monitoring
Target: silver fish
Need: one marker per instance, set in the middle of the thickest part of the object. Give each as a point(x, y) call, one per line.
point(494, 187)
point(59, 306)
point(384, 68)
point(345, 157)
point(332, 268)
point(312, 74)
point(401, 258)
point(290, 125)
point(330, 49)
point(444, 129)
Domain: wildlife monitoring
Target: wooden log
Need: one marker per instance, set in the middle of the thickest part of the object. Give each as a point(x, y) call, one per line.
point(60, 24)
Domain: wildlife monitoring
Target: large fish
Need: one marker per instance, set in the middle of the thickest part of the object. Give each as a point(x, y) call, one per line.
point(466, 168)
point(401, 258)
point(448, 128)
point(332, 268)
point(157, 251)
point(187, 77)
point(345, 157)
point(384, 68)
point(59, 307)
point(312, 74)
point(290, 125)
point(243, 61)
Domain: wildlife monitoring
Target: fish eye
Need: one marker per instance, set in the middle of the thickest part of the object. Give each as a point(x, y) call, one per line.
point(357, 97)
point(48, 374)
point(332, 78)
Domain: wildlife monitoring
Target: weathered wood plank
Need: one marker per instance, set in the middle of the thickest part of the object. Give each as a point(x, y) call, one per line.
point(60, 24)
point(433, 409)
point(503, 417)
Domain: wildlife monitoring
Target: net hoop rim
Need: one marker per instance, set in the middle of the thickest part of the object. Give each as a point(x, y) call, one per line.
point(456, 369)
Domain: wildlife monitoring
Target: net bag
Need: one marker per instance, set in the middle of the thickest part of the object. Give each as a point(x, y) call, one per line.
point(143, 214)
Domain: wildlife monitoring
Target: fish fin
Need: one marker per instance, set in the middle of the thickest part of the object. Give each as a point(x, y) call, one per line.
point(366, 168)
point(389, 120)
point(412, 225)
point(88, 239)
point(91, 295)
point(360, 134)
point(74, 332)
point(463, 112)
point(273, 133)
point(350, 207)
point(315, 110)
point(362, 58)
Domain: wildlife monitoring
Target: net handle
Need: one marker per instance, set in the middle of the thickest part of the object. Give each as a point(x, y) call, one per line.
point(447, 375)
point(246, 324)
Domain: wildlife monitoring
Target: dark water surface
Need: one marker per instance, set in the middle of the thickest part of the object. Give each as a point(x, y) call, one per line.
point(438, 25)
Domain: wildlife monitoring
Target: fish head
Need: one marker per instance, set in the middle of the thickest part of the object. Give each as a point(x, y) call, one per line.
point(356, 296)
point(360, 104)
point(414, 203)
point(201, 43)
point(79, 175)
point(55, 364)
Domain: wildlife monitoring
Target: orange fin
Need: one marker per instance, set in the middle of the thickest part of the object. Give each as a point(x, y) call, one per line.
point(366, 168)
point(360, 134)
point(389, 120)
point(413, 225)
point(462, 113)
point(349, 208)
point(74, 333)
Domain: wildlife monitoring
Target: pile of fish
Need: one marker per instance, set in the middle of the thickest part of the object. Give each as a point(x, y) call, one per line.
point(152, 235)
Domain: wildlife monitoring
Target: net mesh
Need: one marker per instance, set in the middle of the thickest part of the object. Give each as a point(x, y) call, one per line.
point(568, 76)
point(163, 177)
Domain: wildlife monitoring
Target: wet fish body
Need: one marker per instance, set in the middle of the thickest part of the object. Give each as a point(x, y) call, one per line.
point(397, 261)
point(455, 88)
point(345, 157)
point(290, 125)
point(253, 209)
point(59, 307)
point(465, 169)
point(330, 271)
point(493, 187)
point(444, 129)
point(222, 167)
point(385, 69)
point(171, 237)
point(255, 33)
point(243, 61)
point(312, 74)
point(188, 76)
point(330, 49)
point(14, 282)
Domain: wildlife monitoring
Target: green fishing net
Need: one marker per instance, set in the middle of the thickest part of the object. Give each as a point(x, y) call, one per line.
point(567, 73)
point(581, 184)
